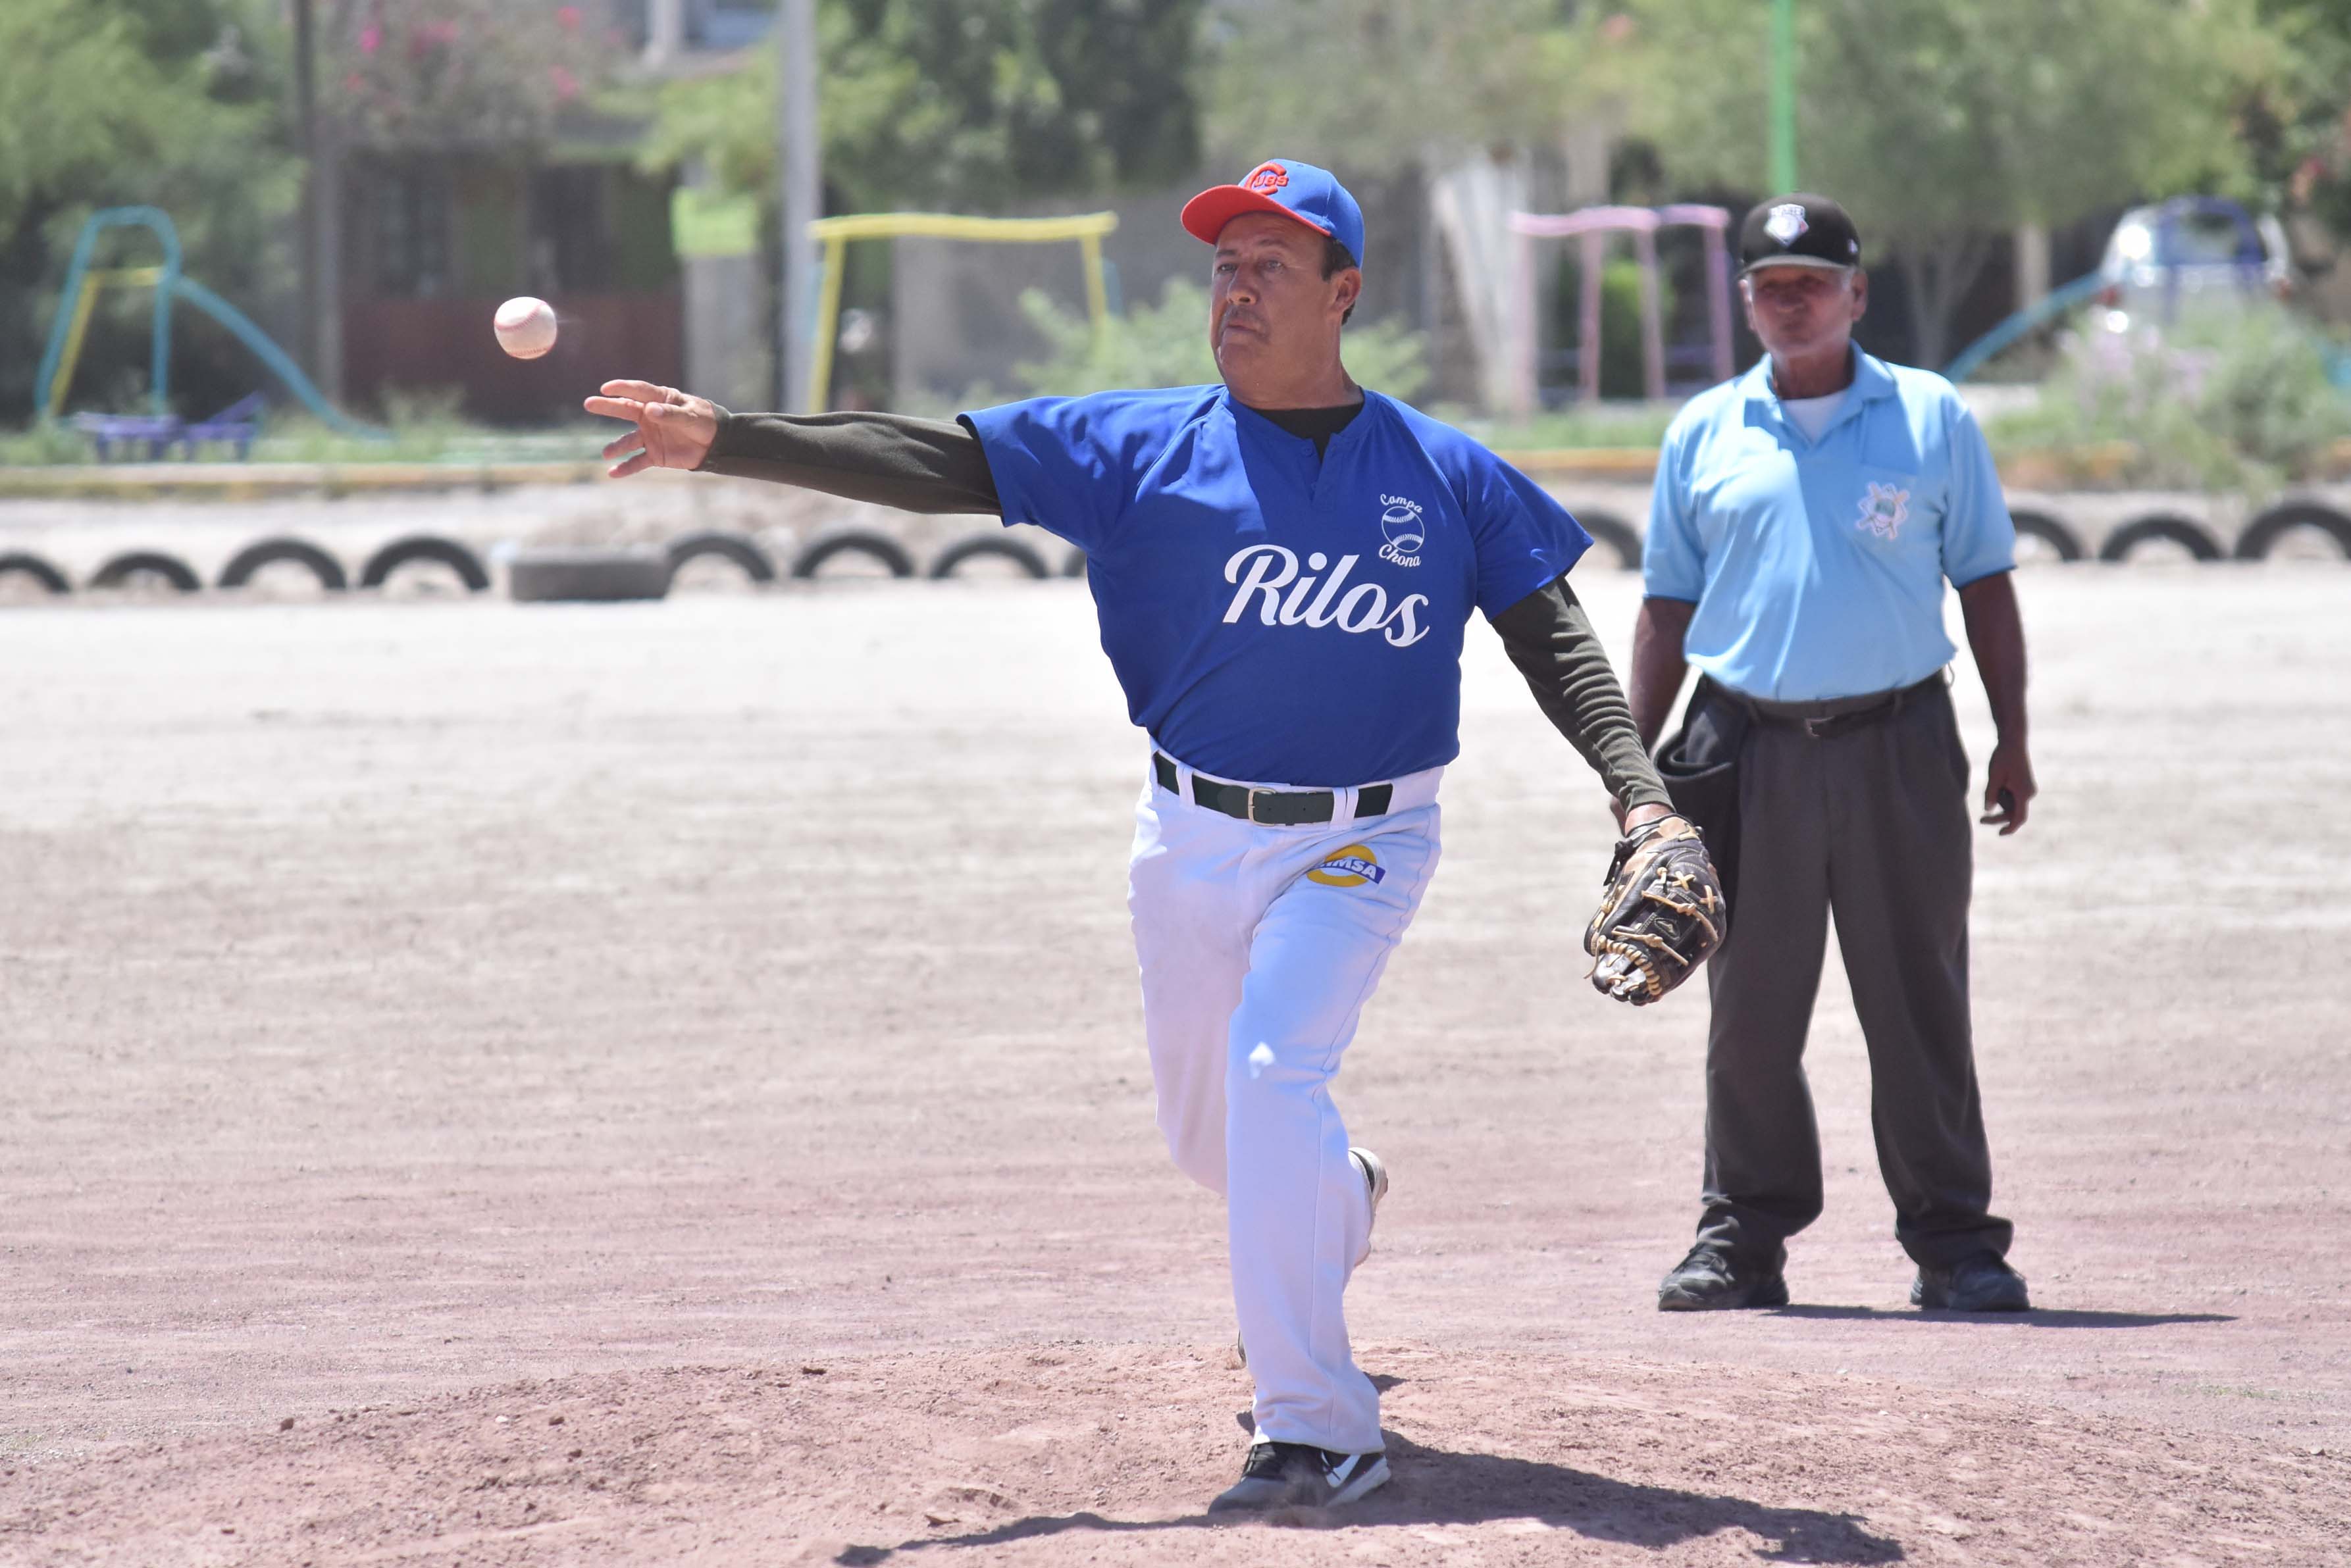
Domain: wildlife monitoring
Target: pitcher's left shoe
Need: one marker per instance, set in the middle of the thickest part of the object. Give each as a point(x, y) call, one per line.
point(1375, 1177)
point(1298, 1475)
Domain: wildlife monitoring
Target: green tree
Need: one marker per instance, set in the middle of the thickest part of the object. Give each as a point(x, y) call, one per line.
point(2295, 122)
point(962, 105)
point(171, 102)
point(1943, 125)
point(1382, 85)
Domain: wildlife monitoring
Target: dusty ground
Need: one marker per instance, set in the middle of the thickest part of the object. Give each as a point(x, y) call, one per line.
point(493, 1084)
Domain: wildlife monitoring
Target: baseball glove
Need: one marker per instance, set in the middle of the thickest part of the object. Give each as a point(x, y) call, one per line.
point(1662, 913)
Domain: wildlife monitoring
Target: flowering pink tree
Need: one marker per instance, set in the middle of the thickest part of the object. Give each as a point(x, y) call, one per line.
point(458, 73)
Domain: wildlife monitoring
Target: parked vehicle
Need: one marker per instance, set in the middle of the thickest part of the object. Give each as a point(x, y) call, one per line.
point(2191, 253)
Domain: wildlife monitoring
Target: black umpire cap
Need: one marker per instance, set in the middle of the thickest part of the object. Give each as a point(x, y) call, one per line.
point(1798, 230)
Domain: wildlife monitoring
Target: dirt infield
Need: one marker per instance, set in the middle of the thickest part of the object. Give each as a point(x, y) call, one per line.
point(660, 1084)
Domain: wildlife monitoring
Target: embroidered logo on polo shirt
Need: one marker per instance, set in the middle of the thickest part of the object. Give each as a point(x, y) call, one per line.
point(1785, 222)
point(1884, 509)
point(1400, 522)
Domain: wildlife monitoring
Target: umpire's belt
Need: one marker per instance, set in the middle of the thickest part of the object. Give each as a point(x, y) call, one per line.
point(1273, 807)
point(1837, 715)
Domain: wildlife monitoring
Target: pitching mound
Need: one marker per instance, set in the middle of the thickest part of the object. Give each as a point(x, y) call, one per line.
point(1071, 1453)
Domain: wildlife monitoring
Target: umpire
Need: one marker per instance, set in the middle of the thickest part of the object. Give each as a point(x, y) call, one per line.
point(1805, 518)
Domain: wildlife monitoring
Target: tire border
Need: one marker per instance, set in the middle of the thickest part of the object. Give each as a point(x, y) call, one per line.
point(972, 546)
point(2262, 535)
point(858, 541)
point(283, 547)
point(1607, 528)
point(2183, 531)
point(2051, 530)
point(425, 547)
point(39, 570)
point(171, 568)
point(739, 548)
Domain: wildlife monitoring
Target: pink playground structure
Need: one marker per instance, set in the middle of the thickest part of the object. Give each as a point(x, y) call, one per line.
point(1593, 226)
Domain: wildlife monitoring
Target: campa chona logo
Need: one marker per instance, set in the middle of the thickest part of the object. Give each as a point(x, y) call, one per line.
point(1349, 867)
point(1262, 571)
point(1400, 523)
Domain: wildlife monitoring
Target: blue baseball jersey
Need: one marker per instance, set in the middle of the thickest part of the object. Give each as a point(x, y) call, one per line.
point(1817, 566)
point(1274, 616)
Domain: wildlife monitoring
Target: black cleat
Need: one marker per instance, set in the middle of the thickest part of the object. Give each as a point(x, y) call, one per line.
point(1298, 1475)
point(1712, 1280)
point(1982, 1284)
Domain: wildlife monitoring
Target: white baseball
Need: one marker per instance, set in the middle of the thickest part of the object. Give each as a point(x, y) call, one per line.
point(525, 327)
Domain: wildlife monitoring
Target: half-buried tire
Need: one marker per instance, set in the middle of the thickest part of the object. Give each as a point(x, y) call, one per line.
point(117, 572)
point(32, 566)
point(2189, 536)
point(270, 552)
point(853, 542)
point(739, 548)
point(587, 575)
point(2262, 534)
point(429, 547)
point(2062, 541)
point(1619, 535)
point(976, 546)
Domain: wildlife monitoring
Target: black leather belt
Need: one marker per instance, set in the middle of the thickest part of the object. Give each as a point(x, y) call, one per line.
point(1273, 807)
point(1820, 720)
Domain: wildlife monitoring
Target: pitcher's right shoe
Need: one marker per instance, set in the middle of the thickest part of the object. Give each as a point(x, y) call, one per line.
point(1375, 1177)
point(1711, 1279)
point(1298, 1475)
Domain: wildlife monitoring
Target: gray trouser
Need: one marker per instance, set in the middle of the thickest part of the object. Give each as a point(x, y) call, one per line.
point(1872, 823)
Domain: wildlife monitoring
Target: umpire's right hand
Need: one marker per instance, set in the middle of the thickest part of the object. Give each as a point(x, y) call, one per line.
point(674, 430)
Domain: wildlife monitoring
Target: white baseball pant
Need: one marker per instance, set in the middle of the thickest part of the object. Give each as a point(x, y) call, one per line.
point(1258, 945)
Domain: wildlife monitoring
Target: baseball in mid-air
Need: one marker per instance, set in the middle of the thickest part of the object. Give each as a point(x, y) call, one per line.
point(525, 327)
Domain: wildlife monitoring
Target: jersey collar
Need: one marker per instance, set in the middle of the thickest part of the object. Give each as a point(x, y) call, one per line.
point(1871, 382)
point(1243, 414)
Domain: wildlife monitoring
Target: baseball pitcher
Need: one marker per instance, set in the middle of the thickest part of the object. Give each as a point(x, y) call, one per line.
point(1283, 566)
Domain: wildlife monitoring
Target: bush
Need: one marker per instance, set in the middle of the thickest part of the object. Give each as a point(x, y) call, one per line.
point(1166, 345)
point(2224, 401)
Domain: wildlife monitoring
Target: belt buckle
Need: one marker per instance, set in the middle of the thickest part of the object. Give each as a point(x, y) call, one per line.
point(1814, 729)
point(1253, 817)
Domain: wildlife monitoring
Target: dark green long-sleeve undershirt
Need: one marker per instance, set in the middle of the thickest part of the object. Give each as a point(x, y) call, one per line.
point(939, 466)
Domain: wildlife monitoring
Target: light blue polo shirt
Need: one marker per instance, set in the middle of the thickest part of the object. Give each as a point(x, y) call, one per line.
point(1817, 567)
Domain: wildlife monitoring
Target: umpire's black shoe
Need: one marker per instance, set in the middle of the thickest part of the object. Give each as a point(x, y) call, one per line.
point(1713, 1280)
point(1982, 1284)
point(1298, 1475)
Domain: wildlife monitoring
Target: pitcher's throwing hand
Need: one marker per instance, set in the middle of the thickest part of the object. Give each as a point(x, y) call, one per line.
point(674, 429)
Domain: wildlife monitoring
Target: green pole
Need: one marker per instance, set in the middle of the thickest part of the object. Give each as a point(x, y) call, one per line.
point(1784, 95)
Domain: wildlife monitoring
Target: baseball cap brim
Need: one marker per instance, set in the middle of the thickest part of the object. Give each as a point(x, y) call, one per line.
point(1823, 262)
point(1206, 214)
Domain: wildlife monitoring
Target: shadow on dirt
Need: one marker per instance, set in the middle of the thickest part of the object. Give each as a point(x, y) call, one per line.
point(2059, 1319)
point(1434, 1486)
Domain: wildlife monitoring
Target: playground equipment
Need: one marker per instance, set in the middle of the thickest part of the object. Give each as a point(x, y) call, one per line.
point(158, 428)
point(1593, 226)
point(1086, 228)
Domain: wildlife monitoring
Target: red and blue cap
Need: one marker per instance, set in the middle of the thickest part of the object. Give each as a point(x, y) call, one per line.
point(1313, 196)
